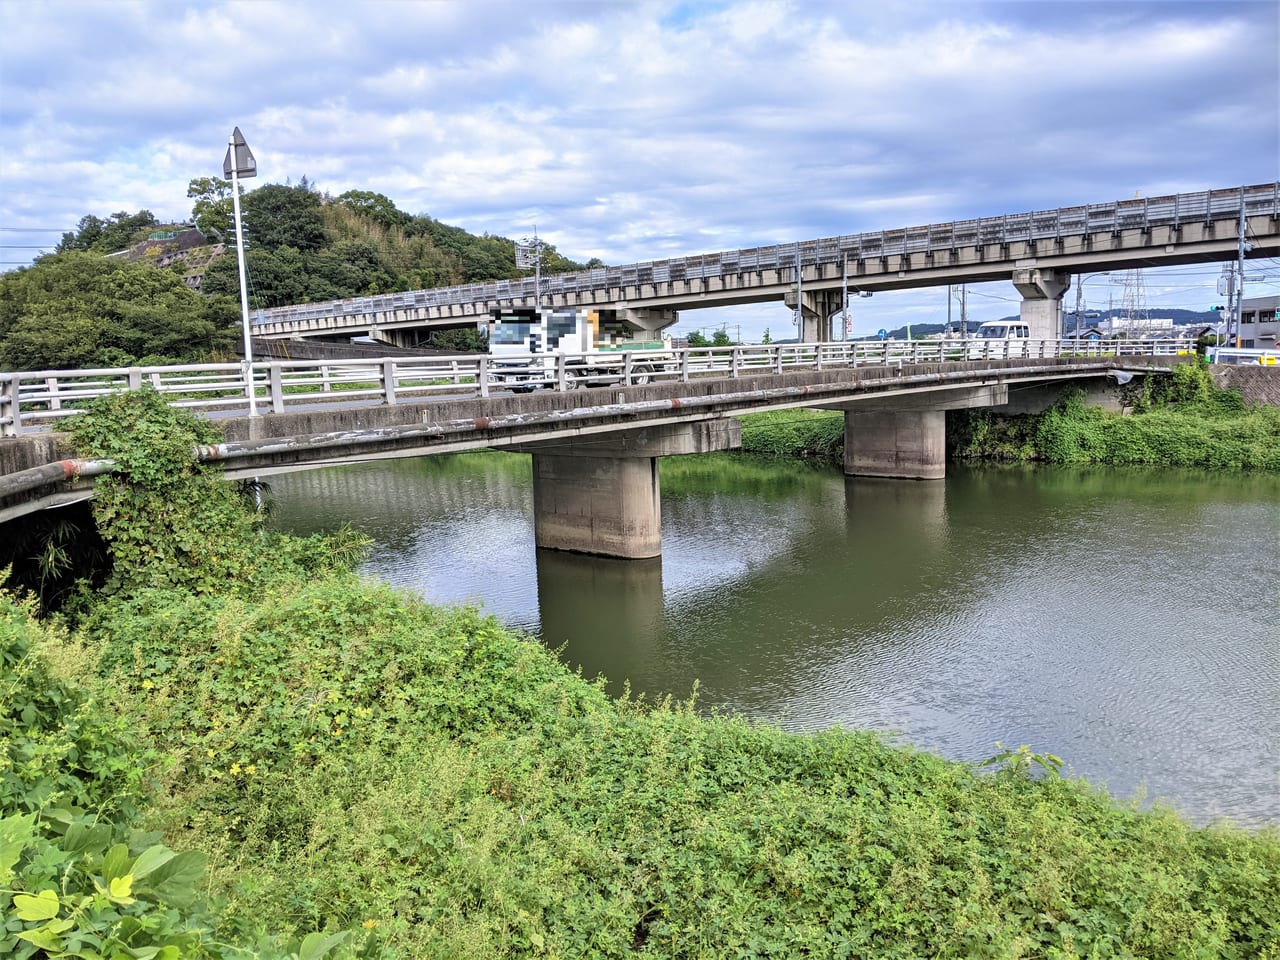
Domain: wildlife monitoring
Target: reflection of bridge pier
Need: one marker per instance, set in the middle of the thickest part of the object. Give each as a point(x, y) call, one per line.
point(600, 494)
point(614, 604)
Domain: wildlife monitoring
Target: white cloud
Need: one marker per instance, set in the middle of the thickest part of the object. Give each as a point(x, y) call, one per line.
point(634, 131)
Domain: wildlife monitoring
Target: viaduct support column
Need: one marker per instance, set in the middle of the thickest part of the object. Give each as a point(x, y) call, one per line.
point(600, 494)
point(816, 310)
point(1042, 292)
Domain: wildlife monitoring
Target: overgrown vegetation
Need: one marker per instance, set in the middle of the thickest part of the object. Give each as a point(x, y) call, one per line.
point(397, 780)
point(803, 433)
point(1179, 420)
point(87, 310)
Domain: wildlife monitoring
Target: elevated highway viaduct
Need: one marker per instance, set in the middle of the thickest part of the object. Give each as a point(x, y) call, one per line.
point(1039, 252)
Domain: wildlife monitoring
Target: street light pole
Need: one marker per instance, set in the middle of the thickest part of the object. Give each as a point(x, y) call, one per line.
point(239, 163)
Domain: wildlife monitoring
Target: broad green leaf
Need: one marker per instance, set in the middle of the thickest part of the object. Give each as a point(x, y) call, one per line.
point(117, 862)
point(175, 880)
point(82, 838)
point(150, 860)
point(43, 906)
point(42, 938)
point(120, 888)
point(15, 833)
point(316, 945)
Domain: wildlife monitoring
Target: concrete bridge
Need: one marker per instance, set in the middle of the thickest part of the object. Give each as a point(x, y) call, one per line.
point(1039, 252)
point(595, 450)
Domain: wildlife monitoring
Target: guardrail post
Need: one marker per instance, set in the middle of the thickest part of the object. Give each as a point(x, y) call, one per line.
point(626, 368)
point(276, 380)
point(482, 376)
point(11, 425)
point(684, 366)
point(777, 359)
point(389, 382)
point(325, 386)
point(562, 379)
point(135, 378)
point(51, 387)
point(735, 362)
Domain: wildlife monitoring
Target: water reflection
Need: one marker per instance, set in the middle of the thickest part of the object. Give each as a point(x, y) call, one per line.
point(1124, 619)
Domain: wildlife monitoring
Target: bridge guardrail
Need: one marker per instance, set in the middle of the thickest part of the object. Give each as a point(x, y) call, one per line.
point(37, 400)
point(1240, 355)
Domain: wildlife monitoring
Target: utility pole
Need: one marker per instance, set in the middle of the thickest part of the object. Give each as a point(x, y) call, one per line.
point(1236, 312)
point(799, 295)
point(844, 291)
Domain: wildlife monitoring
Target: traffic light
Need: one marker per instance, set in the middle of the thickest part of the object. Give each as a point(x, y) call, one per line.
point(1217, 308)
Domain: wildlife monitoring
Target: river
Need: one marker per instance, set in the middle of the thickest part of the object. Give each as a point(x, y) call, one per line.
point(1126, 620)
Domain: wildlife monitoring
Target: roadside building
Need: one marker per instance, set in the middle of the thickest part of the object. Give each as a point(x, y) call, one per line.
point(1259, 323)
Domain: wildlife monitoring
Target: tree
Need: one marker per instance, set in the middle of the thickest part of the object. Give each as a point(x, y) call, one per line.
point(213, 211)
point(462, 339)
point(697, 340)
point(721, 339)
point(375, 206)
point(766, 339)
point(81, 309)
point(117, 232)
point(279, 216)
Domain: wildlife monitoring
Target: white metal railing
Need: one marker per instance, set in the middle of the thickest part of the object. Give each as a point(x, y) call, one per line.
point(1239, 355)
point(37, 400)
point(1174, 210)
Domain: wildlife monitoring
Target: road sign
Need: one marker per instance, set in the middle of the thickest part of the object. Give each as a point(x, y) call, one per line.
point(882, 333)
point(245, 165)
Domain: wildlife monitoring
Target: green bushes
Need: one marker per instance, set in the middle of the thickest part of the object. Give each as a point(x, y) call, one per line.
point(794, 433)
point(414, 782)
point(1181, 420)
point(75, 880)
point(357, 761)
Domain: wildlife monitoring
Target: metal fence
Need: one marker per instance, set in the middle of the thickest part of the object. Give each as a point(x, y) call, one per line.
point(38, 400)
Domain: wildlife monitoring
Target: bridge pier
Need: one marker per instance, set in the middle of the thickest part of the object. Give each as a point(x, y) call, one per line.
point(600, 494)
point(905, 437)
point(1041, 307)
point(908, 445)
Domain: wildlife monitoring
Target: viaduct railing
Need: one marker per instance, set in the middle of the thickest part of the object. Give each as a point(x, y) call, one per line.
point(1046, 225)
point(33, 401)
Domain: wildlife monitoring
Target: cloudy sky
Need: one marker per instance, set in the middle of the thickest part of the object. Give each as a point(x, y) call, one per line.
point(640, 130)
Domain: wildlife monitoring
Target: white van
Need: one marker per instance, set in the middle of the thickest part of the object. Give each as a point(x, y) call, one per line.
point(1003, 330)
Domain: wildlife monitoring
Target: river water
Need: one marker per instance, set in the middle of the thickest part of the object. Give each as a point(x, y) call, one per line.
point(1127, 620)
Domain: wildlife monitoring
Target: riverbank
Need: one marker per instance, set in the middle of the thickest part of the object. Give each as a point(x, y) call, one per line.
point(420, 782)
point(1184, 420)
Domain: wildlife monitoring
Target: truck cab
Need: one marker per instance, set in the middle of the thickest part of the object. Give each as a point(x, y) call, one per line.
point(1003, 330)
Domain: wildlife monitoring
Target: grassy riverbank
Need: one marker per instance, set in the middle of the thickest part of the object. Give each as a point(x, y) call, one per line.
point(418, 782)
point(1179, 421)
